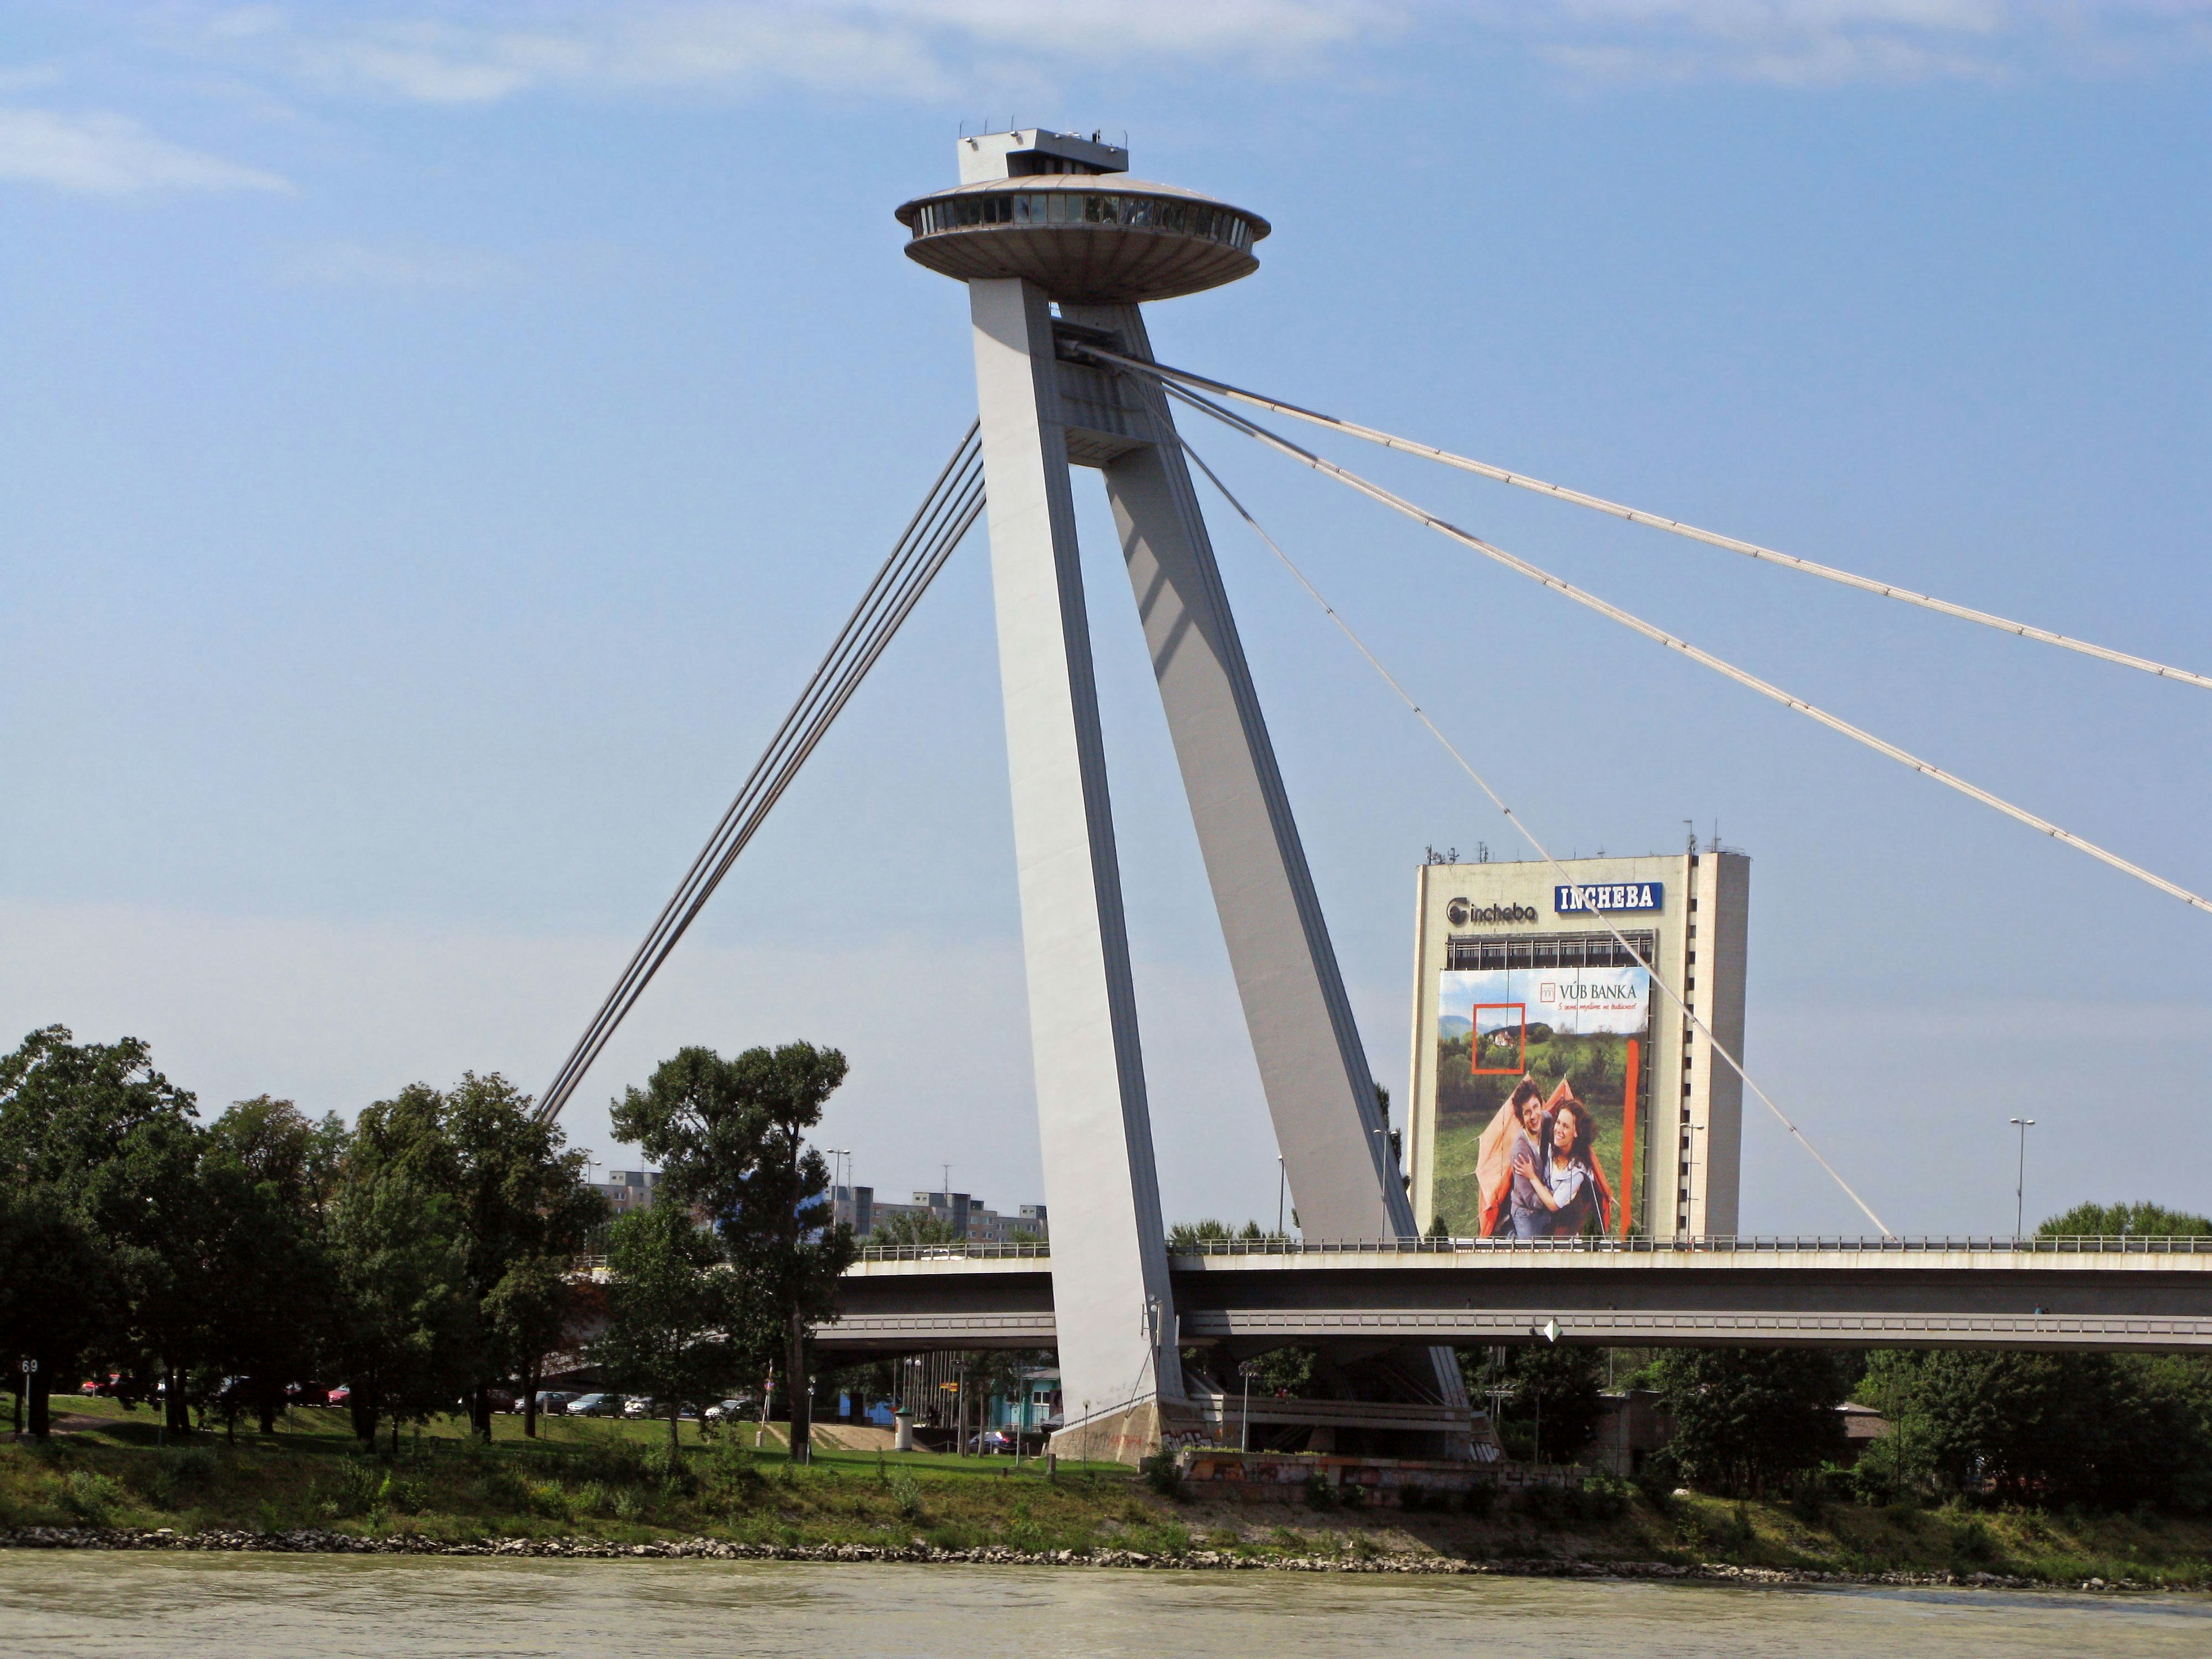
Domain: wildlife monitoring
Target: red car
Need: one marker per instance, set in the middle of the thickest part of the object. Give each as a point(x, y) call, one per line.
point(94, 1385)
point(339, 1395)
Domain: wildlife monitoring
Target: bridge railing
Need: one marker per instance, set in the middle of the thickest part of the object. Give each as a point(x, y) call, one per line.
point(2083, 1244)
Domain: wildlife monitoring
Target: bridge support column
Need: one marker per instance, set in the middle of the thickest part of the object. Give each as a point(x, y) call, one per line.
point(1113, 1303)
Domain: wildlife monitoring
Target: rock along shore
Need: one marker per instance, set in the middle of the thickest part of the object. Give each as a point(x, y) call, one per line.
point(316, 1541)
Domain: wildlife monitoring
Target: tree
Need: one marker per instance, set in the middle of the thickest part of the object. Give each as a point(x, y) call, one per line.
point(672, 1303)
point(1555, 1392)
point(56, 1294)
point(532, 1311)
point(2124, 1220)
point(114, 1145)
point(730, 1137)
point(516, 1193)
point(269, 1175)
point(1746, 1418)
point(913, 1229)
point(407, 1332)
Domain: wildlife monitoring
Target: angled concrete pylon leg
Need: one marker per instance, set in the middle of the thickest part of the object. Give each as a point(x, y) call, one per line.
point(1312, 1064)
point(1112, 1301)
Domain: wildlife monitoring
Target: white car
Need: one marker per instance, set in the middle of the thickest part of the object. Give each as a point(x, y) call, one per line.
point(637, 1404)
point(730, 1411)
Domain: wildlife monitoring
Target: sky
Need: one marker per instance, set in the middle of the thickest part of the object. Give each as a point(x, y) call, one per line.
point(441, 440)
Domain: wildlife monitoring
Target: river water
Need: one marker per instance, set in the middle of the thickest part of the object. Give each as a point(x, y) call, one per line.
point(183, 1606)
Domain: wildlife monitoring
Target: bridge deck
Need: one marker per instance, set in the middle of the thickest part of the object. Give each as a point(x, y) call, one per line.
point(2145, 1294)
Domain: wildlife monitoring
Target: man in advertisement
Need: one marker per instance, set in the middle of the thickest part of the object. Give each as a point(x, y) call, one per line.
point(1538, 1074)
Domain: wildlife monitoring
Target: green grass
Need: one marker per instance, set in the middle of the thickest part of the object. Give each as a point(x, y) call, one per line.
point(613, 1481)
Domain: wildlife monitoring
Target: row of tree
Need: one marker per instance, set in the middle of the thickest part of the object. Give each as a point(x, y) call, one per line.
point(2096, 1430)
point(425, 1256)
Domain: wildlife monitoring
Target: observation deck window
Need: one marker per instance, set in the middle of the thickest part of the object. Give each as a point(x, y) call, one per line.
point(1066, 207)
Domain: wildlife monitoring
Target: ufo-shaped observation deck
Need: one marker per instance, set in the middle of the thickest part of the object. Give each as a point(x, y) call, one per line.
point(1088, 239)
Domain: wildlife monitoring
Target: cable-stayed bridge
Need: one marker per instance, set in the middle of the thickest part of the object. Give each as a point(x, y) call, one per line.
point(1059, 249)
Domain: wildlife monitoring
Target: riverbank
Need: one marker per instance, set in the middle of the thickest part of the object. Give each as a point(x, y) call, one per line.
point(605, 1489)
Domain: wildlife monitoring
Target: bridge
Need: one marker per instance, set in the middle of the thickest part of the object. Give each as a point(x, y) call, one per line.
point(1060, 250)
point(2151, 1295)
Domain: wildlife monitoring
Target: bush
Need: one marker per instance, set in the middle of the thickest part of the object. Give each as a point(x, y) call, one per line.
point(183, 1473)
point(905, 1492)
point(1320, 1493)
point(1161, 1474)
point(1604, 1496)
point(92, 1497)
point(361, 1485)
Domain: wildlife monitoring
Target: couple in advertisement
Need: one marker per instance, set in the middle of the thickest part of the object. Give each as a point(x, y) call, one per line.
point(1538, 1167)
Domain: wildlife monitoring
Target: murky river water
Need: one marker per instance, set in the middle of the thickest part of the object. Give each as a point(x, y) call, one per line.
point(264, 1608)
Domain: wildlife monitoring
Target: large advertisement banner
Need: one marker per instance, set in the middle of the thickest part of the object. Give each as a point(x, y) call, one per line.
point(1537, 1071)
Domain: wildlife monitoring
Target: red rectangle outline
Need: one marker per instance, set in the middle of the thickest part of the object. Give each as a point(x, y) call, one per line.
point(1474, 1041)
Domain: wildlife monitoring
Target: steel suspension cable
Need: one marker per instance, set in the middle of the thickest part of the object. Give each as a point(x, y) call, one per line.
point(961, 477)
point(1673, 526)
point(954, 503)
point(1627, 619)
point(1544, 853)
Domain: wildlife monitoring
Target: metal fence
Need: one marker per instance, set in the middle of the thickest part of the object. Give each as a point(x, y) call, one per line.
point(1777, 1244)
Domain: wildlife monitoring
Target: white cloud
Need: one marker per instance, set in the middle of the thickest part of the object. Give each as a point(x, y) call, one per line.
point(928, 50)
point(1817, 43)
point(105, 155)
point(943, 51)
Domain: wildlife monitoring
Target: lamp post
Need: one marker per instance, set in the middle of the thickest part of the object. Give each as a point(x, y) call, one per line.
point(1282, 1185)
point(2020, 1178)
point(1244, 1421)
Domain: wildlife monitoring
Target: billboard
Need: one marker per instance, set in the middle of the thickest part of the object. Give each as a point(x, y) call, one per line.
point(1538, 1072)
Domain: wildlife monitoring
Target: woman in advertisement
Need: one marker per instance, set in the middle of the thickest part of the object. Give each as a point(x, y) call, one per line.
point(1519, 1129)
point(1567, 1182)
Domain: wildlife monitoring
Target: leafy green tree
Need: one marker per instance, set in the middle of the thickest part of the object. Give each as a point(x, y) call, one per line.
point(1554, 1395)
point(116, 1147)
point(517, 1194)
point(671, 1303)
point(269, 1176)
point(57, 1293)
point(730, 1137)
point(912, 1230)
point(1746, 1419)
point(533, 1311)
point(407, 1335)
point(2124, 1220)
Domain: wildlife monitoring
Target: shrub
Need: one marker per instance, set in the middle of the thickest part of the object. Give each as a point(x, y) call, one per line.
point(91, 1496)
point(905, 1492)
point(182, 1474)
point(595, 1497)
point(361, 1485)
point(1161, 1474)
point(1320, 1494)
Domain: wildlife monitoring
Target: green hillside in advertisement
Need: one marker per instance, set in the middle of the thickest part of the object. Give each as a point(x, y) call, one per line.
point(1557, 1039)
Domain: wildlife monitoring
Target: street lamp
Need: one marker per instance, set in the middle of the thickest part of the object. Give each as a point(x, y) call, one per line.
point(1244, 1423)
point(2020, 1178)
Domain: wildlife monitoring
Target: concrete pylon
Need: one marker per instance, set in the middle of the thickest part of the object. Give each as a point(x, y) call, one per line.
point(1039, 219)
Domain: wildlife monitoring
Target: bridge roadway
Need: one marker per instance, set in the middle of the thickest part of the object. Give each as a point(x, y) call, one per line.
point(2147, 1294)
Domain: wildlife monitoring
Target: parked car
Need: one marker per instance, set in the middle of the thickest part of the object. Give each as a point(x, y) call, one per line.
point(501, 1400)
point(990, 1441)
point(105, 1386)
point(638, 1404)
point(595, 1405)
point(730, 1411)
point(341, 1396)
point(554, 1401)
point(306, 1394)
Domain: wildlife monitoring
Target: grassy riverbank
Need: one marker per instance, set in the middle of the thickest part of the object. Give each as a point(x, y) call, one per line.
point(615, 1482)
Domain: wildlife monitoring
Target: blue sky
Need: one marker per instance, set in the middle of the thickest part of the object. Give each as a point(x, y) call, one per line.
point(440, 441)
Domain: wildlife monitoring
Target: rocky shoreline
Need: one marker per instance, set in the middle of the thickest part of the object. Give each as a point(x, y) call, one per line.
point(317, 1542)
